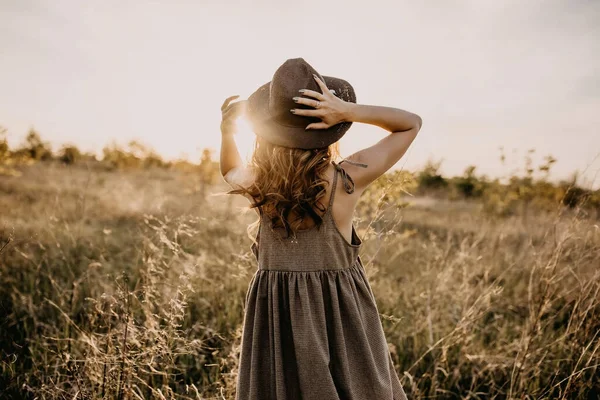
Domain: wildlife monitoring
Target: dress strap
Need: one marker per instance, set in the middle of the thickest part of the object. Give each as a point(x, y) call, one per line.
point(333, 185)
point(346, 179)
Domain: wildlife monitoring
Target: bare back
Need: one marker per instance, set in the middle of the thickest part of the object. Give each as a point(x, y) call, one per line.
point(345, 199)
point(344, 203)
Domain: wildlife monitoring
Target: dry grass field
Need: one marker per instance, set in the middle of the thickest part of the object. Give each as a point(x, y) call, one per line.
point(130, 285)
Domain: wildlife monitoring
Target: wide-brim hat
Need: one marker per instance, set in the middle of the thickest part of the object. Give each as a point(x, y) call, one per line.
point(268, 108)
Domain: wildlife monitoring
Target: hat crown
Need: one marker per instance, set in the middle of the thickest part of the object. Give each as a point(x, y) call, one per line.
point(290, 77)
point(268, 108)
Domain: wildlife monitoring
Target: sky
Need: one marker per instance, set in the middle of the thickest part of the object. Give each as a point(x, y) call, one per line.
point(482, 74)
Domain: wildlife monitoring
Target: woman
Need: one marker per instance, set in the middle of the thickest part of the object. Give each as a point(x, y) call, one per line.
point(311, 325)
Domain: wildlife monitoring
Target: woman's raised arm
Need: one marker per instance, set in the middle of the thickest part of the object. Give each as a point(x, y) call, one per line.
point(230, 156)
point(380, 157)
point(383, 155)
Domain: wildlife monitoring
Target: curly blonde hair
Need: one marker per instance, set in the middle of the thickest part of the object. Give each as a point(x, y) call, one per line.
point(289, 181)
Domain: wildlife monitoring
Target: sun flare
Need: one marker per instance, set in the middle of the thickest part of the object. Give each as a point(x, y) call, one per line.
point(245, 138)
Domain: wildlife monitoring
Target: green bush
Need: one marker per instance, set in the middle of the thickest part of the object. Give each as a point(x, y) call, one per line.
point(429, 178)
point(468, 185)
point(69, 154)
point(34, 148)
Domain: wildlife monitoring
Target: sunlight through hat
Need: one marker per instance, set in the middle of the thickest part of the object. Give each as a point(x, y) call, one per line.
point(268, 108)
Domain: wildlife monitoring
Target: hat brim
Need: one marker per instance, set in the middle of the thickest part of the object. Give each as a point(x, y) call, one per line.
point(297, 137)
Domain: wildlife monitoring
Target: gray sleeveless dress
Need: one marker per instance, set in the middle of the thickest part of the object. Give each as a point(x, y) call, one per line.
point(311, 325)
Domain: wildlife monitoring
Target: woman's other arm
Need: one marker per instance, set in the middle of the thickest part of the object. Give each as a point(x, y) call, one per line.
point(232, 167)
point(230, 156)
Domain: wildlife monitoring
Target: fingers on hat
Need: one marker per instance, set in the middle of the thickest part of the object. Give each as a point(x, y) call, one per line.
point(233, 109)
point(305, 101)
point(313, 94)
point(318, 125)
point(306, 112)
point(321, 84)
point(227, 101)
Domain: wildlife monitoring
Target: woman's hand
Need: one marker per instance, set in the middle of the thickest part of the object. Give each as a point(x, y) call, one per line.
point(330, 109)
point(229, 113)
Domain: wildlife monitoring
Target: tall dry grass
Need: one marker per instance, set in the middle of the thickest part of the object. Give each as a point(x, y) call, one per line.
point(129, 285)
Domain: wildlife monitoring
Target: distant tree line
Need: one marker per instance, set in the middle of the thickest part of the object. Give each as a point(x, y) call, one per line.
point(133, 155)
point(511, 195)
point(514, 194)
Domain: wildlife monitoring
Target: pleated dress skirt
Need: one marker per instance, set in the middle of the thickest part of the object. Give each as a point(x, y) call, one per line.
point(311, 327)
